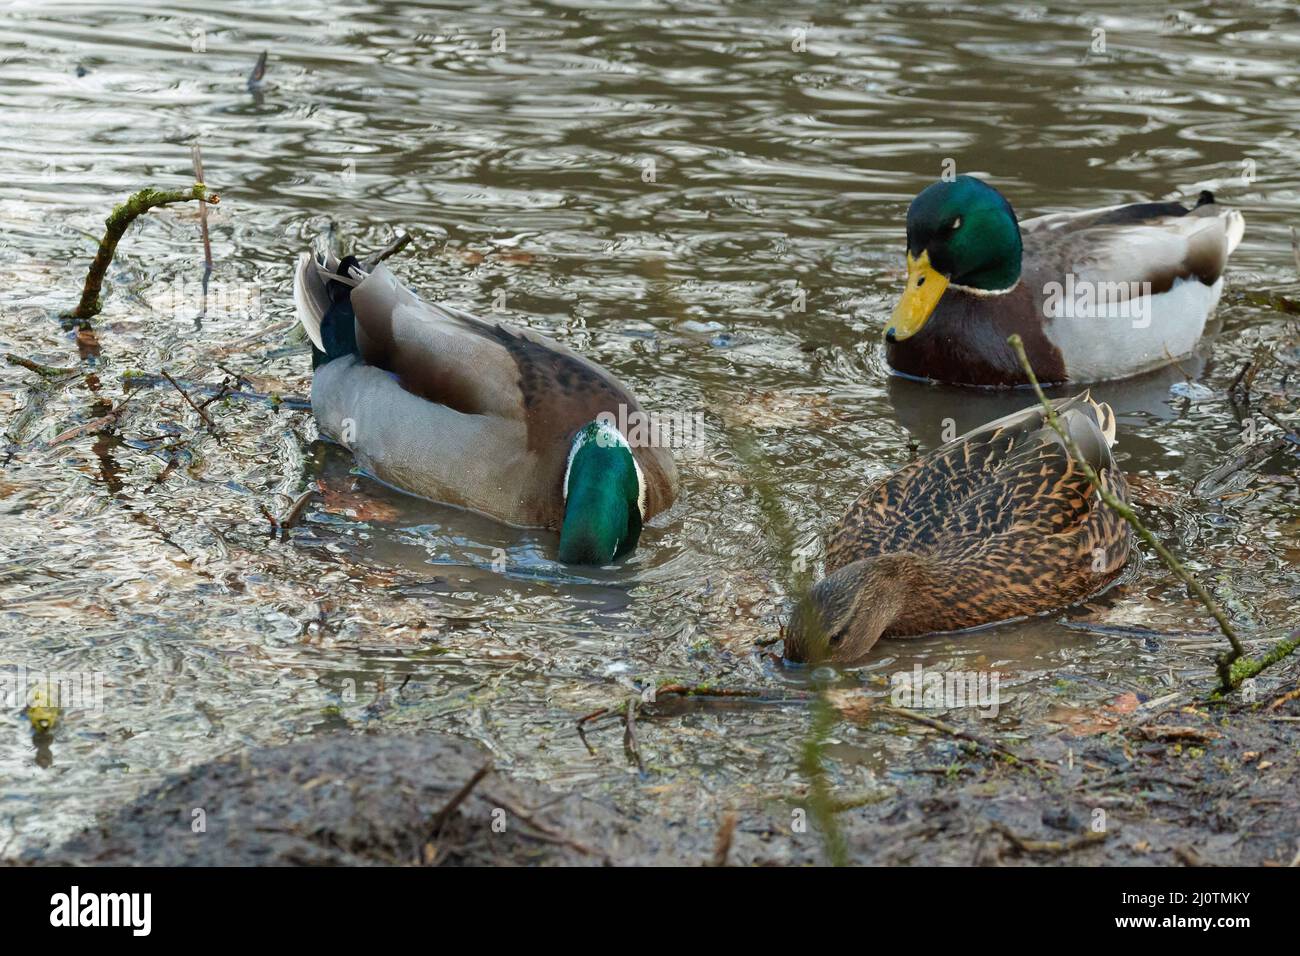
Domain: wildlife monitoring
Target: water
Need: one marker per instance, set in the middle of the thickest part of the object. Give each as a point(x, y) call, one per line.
point(661, 187)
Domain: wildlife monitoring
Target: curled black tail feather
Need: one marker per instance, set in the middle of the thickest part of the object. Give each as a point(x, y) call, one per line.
point(338, 326)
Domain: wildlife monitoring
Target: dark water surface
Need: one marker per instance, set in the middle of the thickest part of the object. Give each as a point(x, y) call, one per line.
point(660, 186)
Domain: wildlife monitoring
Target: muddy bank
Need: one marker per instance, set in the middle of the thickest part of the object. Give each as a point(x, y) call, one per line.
point(1122, 785)
point(1186, 786)
point(359, 800)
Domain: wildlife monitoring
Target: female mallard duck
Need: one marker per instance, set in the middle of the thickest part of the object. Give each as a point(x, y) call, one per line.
point(1095, 295)
point(456, 409)
point(997, 524)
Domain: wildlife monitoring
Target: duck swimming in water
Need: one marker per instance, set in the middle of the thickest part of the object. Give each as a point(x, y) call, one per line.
point(1095, 295)
point(460, 410)
point(999, 523)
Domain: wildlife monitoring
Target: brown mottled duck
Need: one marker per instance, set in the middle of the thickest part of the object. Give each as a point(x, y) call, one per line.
point(999, 523)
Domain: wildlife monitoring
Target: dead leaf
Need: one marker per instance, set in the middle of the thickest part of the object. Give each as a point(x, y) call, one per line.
point(1152, 492)
point(852, 704)
point(355, 504)
point(1081, 722)
point(778, 410)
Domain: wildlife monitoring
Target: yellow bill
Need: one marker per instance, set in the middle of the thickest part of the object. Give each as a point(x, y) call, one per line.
point(924, 287)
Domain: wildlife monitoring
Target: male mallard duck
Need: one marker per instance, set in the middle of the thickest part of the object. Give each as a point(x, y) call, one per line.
point(456, 409)
point(997, 524)
point(1095, 295)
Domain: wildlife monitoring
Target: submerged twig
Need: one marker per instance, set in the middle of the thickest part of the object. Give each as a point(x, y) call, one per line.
point(44, 371)
point(1224, 660)
point(189, 401)
point(115, 226)
point(1224, 477)
point(259, 71)
point(544, 832)
point(953, 731)
point(274, 521)
point(142, 379)
point(103, 423)
point(294, 515)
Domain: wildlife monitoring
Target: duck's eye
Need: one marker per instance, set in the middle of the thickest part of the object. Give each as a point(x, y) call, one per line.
point(956, 224)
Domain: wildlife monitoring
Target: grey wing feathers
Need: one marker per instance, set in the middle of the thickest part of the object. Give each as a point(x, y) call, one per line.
point(1158, 250)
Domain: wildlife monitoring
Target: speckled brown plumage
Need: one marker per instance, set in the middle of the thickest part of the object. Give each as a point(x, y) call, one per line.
point(1002, 518)
point(998, 524)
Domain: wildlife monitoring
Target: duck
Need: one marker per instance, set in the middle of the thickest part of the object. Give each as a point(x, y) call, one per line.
point(482, 415)
point(998, 524)
point(1096, 295)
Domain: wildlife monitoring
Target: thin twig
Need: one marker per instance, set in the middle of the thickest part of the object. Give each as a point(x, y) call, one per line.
point(196, 157)
point(392, 249)
point(185, 395)
point(700, 691)
point(201, 388)
point(226, 388)
point(582, 727)
point(440, 819)
point(1224, 660)
point(629, 734)
point(1026, 845)
point(266, 513)
point(954, 731)
point(259, 71)
point(103, 423)
point(238, 344)
point(841, 804)
point(554, 836)
point(709, 690)
point(294, 514)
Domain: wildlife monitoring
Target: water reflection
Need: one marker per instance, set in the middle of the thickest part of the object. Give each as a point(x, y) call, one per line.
point(683, 194)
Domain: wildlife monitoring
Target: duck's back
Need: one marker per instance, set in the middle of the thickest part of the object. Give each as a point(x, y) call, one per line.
point(1003, 512)
point(443, 404)
point(1126, 289)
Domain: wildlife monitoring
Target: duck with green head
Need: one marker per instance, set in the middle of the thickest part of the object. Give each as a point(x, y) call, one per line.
point(503, 421)
point(1095, 295)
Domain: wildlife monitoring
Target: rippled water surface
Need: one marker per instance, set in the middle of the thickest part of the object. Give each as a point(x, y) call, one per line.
point(711, 204)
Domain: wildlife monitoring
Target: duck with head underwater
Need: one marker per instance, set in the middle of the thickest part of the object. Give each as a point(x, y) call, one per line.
point(998, 524)
point(1095, 295)
point(500, 420)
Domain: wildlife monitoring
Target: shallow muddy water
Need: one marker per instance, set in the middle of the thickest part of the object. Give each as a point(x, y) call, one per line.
point(708, 203)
